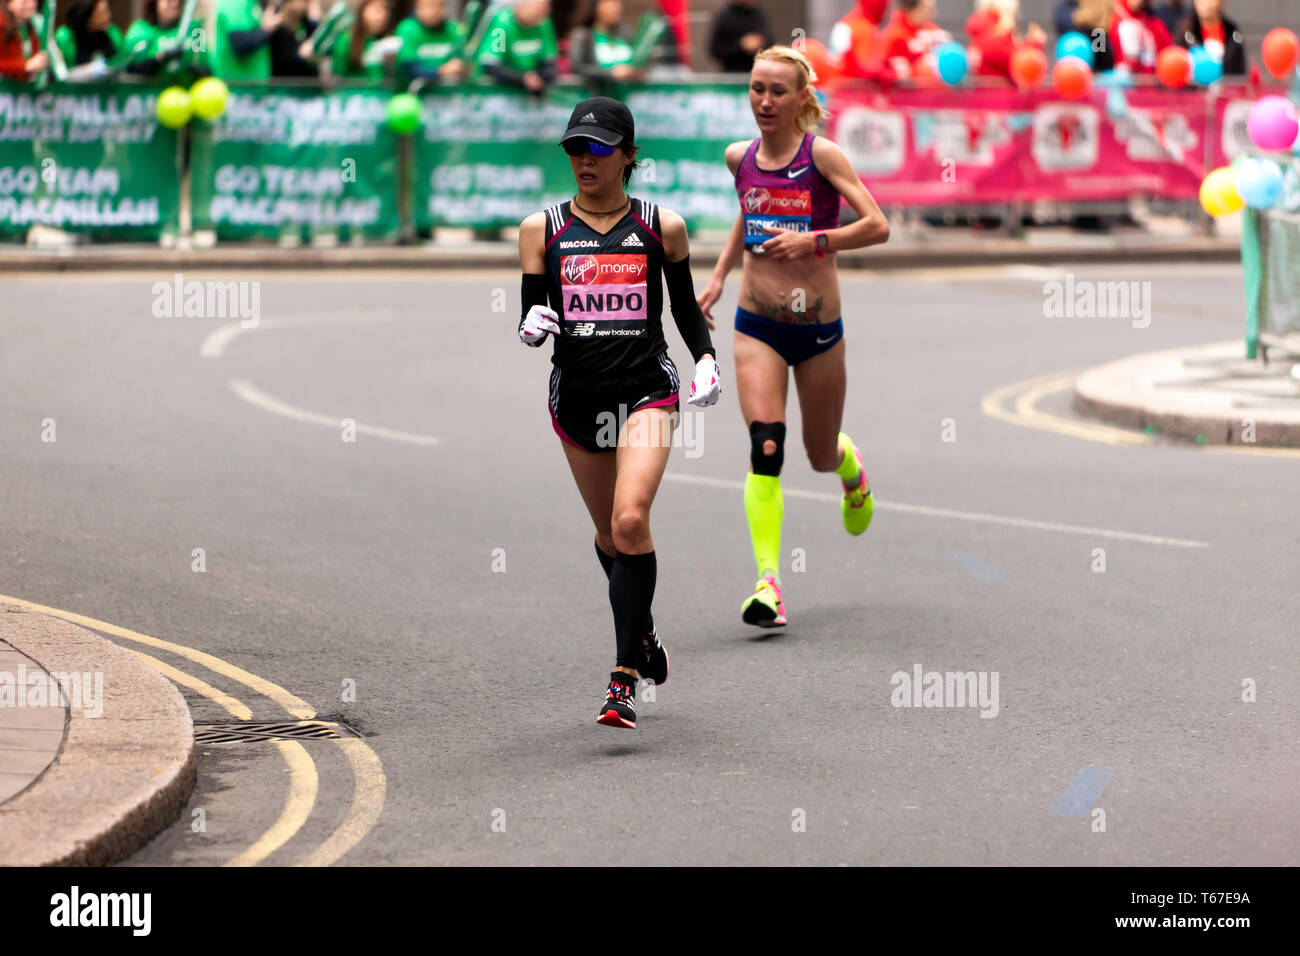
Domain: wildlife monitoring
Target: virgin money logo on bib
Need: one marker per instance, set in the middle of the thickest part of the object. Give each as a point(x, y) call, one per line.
point(778, 202)
point(579, 270)
point(604, 287)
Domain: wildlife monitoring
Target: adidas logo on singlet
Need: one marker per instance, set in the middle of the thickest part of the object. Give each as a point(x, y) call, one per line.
point(632, 240)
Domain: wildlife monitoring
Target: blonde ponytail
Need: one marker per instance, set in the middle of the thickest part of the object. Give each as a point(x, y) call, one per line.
point(811, 113)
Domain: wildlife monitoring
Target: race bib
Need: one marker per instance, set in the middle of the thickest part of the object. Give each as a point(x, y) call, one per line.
point(782, 208)
point(604, 294)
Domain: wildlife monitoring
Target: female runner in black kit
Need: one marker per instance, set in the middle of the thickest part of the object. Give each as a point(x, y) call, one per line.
point(592, 278)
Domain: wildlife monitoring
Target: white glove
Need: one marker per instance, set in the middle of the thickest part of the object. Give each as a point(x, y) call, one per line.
point(707, 384)
point(539, 320)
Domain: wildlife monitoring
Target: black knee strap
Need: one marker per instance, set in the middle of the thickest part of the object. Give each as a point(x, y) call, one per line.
point(760, 432)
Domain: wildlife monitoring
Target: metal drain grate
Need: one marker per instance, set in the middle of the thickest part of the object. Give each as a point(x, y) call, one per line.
point(243, 732)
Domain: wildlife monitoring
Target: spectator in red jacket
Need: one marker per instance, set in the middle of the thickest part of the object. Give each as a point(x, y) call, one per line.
point(21, 55)
point(1137, 36)
point(853, 38)
point(993, 32)
point(910, 35)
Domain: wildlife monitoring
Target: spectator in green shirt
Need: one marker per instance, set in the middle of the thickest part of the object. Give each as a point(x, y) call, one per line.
point(365, 51)
point(599, 50)
point(432, 43)
point(519, 46)
point(241, 29)
point(152, 47)
point(89, 34)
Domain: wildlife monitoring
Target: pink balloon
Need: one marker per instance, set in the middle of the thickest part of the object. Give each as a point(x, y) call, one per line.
point(1273, 123)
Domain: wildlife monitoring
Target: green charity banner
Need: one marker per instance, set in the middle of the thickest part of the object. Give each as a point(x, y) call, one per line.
point(291, 160)
point(487, 158)
point(88, 159)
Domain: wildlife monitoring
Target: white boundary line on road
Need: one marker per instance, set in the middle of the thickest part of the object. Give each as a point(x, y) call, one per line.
point(255, 396)
point(954, 514)
point(214, 346)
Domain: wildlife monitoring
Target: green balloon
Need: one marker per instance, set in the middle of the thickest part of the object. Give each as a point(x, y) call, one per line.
point(404, 113)
point(208, 97)
point(174, 107)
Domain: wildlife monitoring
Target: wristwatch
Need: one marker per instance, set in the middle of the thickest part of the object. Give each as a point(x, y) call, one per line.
point(823, 243)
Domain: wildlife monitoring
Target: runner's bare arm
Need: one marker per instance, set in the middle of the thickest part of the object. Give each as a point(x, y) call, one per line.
point(872, 228)
point(532, 235)
point(734, 248)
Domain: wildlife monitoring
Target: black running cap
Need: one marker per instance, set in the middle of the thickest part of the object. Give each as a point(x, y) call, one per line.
point(602, 119)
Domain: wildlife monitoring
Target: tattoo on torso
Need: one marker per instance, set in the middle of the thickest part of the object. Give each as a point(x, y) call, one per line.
point(787, 311)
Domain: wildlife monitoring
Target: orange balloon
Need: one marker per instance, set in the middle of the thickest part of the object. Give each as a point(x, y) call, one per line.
point(1072, 78)
point(1174, 66)
point(1281, 50)
point(1028, 67)
point(825, 63)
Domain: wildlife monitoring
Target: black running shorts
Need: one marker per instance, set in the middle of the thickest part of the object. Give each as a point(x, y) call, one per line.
point(590, 414)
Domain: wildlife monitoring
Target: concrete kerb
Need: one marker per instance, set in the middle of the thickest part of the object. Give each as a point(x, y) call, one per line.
point(1217, 399)
point(120, 777)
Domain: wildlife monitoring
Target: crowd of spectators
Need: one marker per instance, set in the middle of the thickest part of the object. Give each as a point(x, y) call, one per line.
point(512, 43)
point(515, 42)
point(876, 44)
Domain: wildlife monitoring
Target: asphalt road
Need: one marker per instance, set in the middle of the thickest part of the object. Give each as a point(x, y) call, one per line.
point(477, 671)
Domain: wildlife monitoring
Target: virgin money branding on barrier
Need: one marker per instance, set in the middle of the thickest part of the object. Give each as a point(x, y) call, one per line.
point(284, 160)
point(88, 159)
point(936, 147)
point(1231, 109)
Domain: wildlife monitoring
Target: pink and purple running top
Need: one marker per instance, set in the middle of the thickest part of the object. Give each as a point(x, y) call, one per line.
point(796, 196)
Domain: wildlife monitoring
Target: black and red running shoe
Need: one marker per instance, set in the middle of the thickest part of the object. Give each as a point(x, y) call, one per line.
point(619, 708)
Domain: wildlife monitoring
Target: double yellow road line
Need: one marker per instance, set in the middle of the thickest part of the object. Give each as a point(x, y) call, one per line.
point(370, 783)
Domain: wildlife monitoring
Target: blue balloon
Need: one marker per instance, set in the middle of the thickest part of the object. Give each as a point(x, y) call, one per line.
point(1076, 45)
point(1259, 182)
point(950, 62)
point(1205, 69)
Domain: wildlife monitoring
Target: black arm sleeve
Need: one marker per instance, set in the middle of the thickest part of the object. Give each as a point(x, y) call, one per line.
point(686, 311)
point(533, 291)
point(244, 42)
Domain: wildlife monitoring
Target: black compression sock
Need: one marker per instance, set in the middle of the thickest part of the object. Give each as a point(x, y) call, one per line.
point(631, 591)
point(607, 562)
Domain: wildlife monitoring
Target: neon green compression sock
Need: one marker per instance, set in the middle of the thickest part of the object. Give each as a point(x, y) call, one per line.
point(848, 470)
point(765, 509)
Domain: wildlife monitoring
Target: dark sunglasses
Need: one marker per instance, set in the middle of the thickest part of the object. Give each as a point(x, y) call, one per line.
point(576, 147)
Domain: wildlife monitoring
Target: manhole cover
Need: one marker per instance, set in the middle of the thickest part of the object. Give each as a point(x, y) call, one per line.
point(242, 732)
